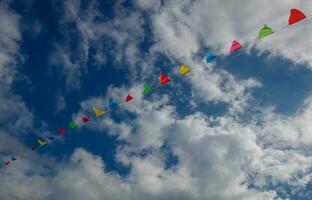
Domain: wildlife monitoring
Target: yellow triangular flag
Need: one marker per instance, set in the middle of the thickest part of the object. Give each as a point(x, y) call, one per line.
point(98, 112)
point(42, 142)
point(184, 70)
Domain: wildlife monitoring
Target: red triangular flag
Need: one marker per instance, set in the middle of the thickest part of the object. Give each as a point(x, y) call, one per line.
point(7, 163)
point(164, 79)
point(61, 131)
point(295, 16)
point(128, 98)
point(85, 119)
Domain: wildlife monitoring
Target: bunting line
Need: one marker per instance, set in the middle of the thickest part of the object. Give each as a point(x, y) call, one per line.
point(296, 16)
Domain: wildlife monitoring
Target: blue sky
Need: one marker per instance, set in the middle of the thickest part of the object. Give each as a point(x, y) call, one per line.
point(242, 121)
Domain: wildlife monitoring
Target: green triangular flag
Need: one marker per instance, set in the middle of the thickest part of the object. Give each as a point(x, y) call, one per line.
point(73, 125)
point(265, 31)
point(147, 89)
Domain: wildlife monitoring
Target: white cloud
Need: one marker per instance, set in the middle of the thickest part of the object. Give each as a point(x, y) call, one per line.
point(60, 103)
point(218, 157)
point(84, 177)
point(220, 86)
point(270, 149)
point(207, 148)
point(72, 69)
point(15, 116)
point(9, 37)
point(148, 4)
point(182, 27)
point(117, 38)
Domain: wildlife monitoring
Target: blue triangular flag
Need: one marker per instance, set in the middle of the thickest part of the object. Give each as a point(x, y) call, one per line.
point(50, 137)
point(210, 57)
point(112, 104)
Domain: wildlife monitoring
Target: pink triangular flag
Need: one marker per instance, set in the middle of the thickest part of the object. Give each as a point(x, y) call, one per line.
point(235, 46)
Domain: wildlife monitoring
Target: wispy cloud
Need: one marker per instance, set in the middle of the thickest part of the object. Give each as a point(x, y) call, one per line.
point(60, 103)
point(222, 157)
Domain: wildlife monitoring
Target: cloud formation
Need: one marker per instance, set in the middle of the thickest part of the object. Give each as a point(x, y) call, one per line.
point(218, 157)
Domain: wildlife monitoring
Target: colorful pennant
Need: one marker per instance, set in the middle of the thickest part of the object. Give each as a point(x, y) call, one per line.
point(210, 57)
point(61, 131)
point(50, 137)
point(235, 46)
point(7, 163)
point(128, 98)
point(265, 31)
point(164, 79)
point(85, 119)
point(73, 125)
point(295, 16)
point(41, 142)
point(112, 104)
point(147, 89)
point(98, 112)
point(184, 70)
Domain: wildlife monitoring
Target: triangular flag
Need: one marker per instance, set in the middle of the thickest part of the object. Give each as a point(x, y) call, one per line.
point(210, 57)
point(164, 79)
point(147, 89)
point(184, 70)
point(85, 119)
point(295, 16)
point(7, 163)
point(112, 104)
point(265, 31)
point(13, 158)
point(235, 46)
point(98, 112)
point(128, 98)
point(73, 125)
point(50, 137)
point(61, 131)
point(41, 142)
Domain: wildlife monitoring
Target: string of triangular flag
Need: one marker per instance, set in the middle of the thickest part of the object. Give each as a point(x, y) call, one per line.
point(295, 16)
point(163, 80)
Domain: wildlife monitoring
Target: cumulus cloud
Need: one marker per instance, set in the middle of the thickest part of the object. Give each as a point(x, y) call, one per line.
point(183, 27)
point(84, 177)
point(223, 149)
point(218, 157)
point(207, 149)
